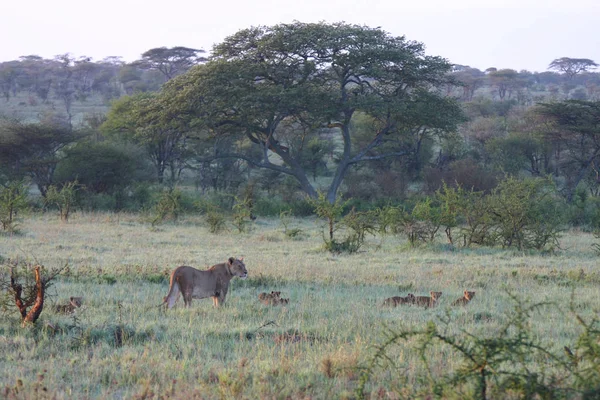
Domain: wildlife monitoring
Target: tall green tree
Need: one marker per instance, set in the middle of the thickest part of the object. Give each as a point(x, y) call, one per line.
point(275, 87)
point(574, 130)
point(33, 150)
point(133, 118)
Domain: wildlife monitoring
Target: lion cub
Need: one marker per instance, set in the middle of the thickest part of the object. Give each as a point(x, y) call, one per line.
point(272, 299)
point(427, 301)
point(397, 300)
point(267, 296)
point(463, 301)
point(74, 302)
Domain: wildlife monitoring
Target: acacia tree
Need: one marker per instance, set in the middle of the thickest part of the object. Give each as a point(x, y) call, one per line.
point(572, 66)
point(470, 79)
point(271, 86)
point(170, 61)
point(505, 80)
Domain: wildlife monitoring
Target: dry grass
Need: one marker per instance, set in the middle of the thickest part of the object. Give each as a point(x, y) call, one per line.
point(315, 343)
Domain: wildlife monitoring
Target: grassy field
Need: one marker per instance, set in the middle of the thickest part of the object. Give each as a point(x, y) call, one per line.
point(119, 345)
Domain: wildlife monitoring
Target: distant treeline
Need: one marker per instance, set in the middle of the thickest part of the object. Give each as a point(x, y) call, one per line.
point(273, 120)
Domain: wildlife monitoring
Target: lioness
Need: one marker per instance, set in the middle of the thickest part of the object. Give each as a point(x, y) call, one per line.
point(397, 300)
point(427, 301)
point(74, 302)
point(463, 301)
point(196, 284)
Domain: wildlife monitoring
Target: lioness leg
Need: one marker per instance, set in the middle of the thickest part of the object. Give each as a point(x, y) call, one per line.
point(219, 300)
point(187, 298)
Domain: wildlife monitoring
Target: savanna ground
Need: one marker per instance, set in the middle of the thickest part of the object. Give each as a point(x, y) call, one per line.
point(120, 345)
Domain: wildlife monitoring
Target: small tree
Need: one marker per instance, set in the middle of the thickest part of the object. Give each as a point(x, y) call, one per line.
point(355, 224)
point(525, 214)
point(359, 225)
point(332, 212)
point(29, 296)
point(13, 199)
point(168, 206)
point(428, 216)
point(64, 198)
point(449, 209)
point(242, 213)
point(285, 217)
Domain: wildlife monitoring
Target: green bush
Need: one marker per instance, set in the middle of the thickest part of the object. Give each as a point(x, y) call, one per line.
point(242, 214)
point(168, 206)
point(331, 212)
point(98, 201)
point(353, 227)
point(274, 206)
point(102, 167)
point(216, 221)
point(584, 210)
point(65, 198)
point(286, 221)
point(513, 362)
point(525, 214)
point(13, 200)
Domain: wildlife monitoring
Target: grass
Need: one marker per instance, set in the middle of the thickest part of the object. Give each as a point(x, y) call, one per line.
point(120, 345)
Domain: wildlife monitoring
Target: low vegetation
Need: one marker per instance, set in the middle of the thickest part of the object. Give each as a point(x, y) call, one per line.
point(321, 343)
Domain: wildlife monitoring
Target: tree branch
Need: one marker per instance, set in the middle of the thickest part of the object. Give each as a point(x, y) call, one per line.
point(260, 164)
point(379, 157)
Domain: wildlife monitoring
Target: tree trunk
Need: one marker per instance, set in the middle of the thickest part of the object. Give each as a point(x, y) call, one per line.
point(17, 290)
point(38, 306)
point(345, 161)
point(38, 301)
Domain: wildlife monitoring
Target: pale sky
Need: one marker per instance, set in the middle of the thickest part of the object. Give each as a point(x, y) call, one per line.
point(518, 34)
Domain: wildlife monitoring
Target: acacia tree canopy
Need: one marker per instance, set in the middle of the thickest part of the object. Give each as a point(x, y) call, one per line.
point(170, 61)
point(572, 66)
point(279, 87)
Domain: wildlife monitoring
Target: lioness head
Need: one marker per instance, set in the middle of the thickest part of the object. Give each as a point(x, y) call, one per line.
point(410, 297)
point(469, 295)
point(237, 267)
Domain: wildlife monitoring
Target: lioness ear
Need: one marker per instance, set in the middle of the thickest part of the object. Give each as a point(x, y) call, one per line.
point(231, 260)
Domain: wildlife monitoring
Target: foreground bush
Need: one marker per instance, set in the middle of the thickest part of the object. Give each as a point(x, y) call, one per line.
point(515, 363)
